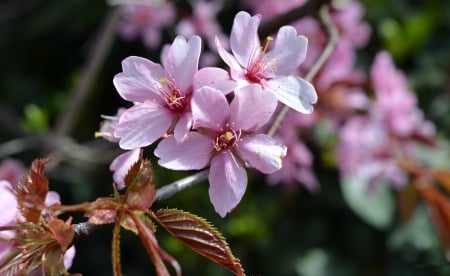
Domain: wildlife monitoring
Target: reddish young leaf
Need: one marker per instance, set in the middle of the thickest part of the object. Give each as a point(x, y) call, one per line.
point(62, 231)
point(157, 254)
point(32, 190)
point(140, 191)
point(443, 178)
point(104, 211)
point(439, 206)
point(200, 236)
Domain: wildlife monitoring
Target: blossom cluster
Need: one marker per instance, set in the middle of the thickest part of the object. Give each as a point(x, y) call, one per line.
point(211, 117)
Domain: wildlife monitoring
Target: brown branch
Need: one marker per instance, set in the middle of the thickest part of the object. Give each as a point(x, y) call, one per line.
point(333, 37)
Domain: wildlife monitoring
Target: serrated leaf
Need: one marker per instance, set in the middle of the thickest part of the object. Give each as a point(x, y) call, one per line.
point(140, 189)
point(63, 232)
point(375, 206)
point(200, 236)
point(32, 190)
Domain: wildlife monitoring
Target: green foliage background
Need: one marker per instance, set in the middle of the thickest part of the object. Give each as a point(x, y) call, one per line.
point(274, 231)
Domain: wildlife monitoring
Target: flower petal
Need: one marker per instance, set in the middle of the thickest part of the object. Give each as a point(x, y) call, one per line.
point(228, 58)
point(294, 92)
point(139, 80)
point(142, 124)
point(183, 126)
point(289, 51)
point(262, 152)
point(251, 107)
point(210, 108)
point(214, 77)
point(182, 61)
point(193, 153)
point(227, 182)
point(244, 40)
point(122, 164)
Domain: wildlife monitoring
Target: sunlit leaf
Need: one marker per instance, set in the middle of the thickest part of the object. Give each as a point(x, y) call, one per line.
point(32, 190)
point(200, 236)
point(376, 206)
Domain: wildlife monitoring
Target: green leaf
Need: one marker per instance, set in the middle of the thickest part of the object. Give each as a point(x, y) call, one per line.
point(200, 236)
point(36, 119)
point(376, 207)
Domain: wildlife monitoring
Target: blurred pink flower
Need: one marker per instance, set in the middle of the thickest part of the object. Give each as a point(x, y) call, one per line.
point(227, 140)
point(395, 105)
point(366, 152)
point(275, 69)
point(11, 170)
point(146, 21)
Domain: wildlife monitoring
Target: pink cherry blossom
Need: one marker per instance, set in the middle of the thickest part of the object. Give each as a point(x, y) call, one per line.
point(146, 21)
point(161, 96)
point(272, 69)
point(11, 170)
point(226, 139)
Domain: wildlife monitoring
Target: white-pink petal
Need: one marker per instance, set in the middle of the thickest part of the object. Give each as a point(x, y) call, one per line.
point(122, 164)
point(142, 124)
point(214, 77)
point(210, 108)
point(139, 80)
point(227, 182)
point(288, 53)
point(183, 126)
point(294, 92)
point(193, 153)
point(262, 152)
point(244, 40)
point(228, 58)
point(252, 107)
point(182, 61)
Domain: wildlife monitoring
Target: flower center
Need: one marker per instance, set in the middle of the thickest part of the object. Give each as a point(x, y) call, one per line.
point(256, 70)
point(172, 96)
point(226, 138)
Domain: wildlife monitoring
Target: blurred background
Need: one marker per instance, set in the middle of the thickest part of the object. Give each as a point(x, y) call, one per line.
point(51, 50)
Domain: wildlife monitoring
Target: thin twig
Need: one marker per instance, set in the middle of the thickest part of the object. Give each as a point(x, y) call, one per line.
point(333, 37)
point(94, 63)
point(179, 185)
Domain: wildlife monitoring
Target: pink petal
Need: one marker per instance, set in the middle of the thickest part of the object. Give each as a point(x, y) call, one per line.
point(183, 126)
point(244, 40)
point(289, 51)
point(122, 164)
point(139, 80)
point(227, 182)
point(228, 58)
point(68, 257)
point(142, 124)
point(262, 152)
point(182, 61)
point(8, 204)
point(51, 198)
point(210, 108)
point(214, 77)
point(294, 92)
point(193, 153)
point(251, 107)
